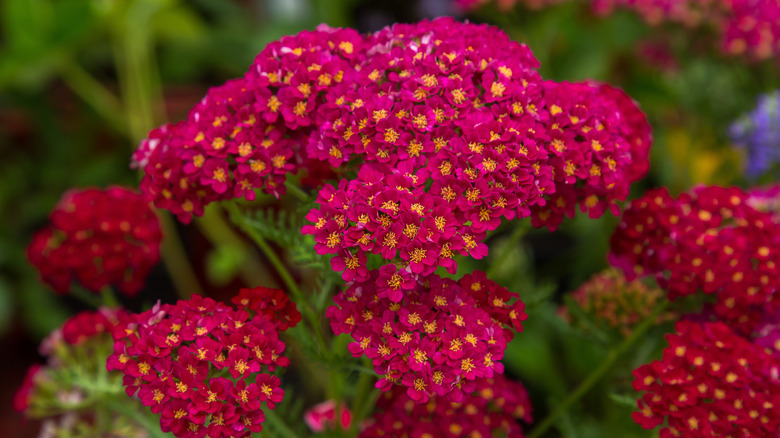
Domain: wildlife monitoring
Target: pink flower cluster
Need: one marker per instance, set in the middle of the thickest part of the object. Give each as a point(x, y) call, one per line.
point(710, 382)
point(458, 131)
point(437, 101)
point(174, 358)
point(438, 337)
point(709, 240)
point(750, 27)
point(250, 132)
point(86, 325)
point(492, 410)
point(98, 238)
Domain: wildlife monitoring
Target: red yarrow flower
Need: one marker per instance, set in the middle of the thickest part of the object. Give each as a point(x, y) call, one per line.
point(171, 353)
point(438, 340)
point(98, 238)
point(708, 240)
point(493, 409)
point(710, 382)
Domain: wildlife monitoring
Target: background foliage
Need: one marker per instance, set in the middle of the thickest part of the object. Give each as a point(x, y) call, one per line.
point(81, 81)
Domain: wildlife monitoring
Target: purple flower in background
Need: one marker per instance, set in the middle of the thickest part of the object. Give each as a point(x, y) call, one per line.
point(758, 132)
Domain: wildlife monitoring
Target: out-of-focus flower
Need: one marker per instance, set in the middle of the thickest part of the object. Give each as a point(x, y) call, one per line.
point(710, 382)
point(492, 410)
point(758, 134)
point(611, 302)
point(437, 337)
point(68, 390)
point(173, 358)
point(98, 238)
point(766, 199)
point(708, 240)
point(322, 416)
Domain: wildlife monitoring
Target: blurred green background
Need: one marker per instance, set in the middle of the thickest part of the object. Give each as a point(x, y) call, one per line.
point(82, 81)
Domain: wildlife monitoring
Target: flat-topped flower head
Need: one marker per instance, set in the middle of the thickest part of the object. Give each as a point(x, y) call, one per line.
point(708, 240)
point(202, 365)
point(98, 238)
point(711, 382)
point(438, 337)
point(758, 134)
point(456, 104)
point(493, 409)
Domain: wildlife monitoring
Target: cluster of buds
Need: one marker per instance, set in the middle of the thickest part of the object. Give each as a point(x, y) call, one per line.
point(438, 338)
point(204, 366)
point(67, 391)
point(709, 240)
point(98, 238)
point(492, 410)
point(710, 382)
point(610, 302)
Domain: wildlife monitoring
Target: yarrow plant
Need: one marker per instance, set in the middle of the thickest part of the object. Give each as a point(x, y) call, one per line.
point(758, 134)
point(414, 145)
point(98, 238)
point(204, 366)
point(492, 410)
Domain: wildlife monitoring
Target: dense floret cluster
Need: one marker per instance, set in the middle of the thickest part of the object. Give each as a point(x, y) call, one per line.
point(432, 335)
point(174, 357)
point(707, 240)
point(610, 302)
point(250, 132)
point(493, 410)
point(98, 238)
point(710, 383)
point(758, 134)
point(459, 105)
point(459, 131)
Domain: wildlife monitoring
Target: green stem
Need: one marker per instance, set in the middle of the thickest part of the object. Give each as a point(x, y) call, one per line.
point(94, 93)
point(176, 261)
point(237, 217)
point(278, 425)
point(365, 398)
point(219, 232)
point(517, 233)
point(109, 299)
point(296, 191)
point(599, 372)
point(85, 296)
point(131, 410)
